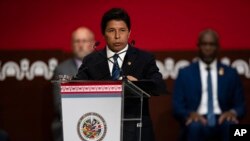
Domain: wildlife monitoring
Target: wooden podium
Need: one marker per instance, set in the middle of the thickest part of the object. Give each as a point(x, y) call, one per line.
point(94, 110)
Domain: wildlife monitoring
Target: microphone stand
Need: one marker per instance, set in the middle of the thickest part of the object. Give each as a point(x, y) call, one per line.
point(122, 75)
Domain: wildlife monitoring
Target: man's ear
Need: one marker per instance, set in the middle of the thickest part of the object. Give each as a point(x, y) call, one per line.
point(104, 37)
point(129, 33)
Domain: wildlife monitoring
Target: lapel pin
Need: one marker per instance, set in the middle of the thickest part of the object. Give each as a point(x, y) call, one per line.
point(221, 71)
point(129, 63)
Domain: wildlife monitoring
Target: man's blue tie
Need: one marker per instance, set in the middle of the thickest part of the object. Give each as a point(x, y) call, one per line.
point(116, 68)
point(210, 113)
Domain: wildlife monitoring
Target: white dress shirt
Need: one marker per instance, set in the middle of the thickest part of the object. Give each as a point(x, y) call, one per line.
point(203, 107)
point(120, 59)
point(78, 63)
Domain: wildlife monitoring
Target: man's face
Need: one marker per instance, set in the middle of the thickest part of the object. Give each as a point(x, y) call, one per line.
point(116, 35)
point(82, 43)
point(208, 48)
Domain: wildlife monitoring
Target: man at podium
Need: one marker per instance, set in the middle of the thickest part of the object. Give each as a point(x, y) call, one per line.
point(121, 60)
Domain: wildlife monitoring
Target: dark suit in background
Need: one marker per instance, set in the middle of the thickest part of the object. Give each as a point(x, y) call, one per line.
point(187, 92)
point(136, 63)
point(3, 136)
point(67, 67)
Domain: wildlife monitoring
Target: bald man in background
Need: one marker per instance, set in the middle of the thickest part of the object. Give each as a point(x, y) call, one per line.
point(83, 40)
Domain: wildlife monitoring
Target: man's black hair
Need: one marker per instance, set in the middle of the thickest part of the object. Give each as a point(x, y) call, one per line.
point(115, 14)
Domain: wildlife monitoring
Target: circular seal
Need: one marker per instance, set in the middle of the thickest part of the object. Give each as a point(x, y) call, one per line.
point(91, 127)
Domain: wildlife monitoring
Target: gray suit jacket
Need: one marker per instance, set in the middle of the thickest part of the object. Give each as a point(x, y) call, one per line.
point(67, 67)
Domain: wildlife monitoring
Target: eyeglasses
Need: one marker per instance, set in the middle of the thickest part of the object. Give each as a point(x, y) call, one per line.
point(83, 41)
point(214, 44)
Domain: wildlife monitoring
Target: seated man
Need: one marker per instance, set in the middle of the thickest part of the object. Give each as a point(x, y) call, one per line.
point(208, 96)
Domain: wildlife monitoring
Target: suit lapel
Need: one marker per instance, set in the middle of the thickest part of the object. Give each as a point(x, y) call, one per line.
point(103, 67)
point(129, 60)
point(197, 81)
point(220, 76)
point(74, 68)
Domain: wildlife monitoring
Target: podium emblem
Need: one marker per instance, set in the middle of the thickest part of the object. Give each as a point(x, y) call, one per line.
point(91, 127)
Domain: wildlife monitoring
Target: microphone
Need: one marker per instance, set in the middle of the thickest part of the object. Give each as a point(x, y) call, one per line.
point(97, 43)
point(132, 43)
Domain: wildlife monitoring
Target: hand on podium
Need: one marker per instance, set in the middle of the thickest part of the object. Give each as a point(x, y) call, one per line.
point(131, 78)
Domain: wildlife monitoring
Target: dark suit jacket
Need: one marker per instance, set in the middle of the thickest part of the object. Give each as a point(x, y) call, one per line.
point(142, 66)
point(187, 91)
point(136, 63)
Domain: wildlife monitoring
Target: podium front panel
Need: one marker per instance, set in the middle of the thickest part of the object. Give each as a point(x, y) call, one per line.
point(91, 111)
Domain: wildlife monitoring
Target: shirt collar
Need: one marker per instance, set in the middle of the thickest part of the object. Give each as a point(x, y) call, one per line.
point(212, 65)
point(121, 53)
point(78, 62)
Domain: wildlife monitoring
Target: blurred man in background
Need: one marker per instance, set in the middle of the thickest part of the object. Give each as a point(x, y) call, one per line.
point(208, 96)
point(83, 40)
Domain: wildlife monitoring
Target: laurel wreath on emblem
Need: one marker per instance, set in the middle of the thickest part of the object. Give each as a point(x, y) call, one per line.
point(91, 127)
